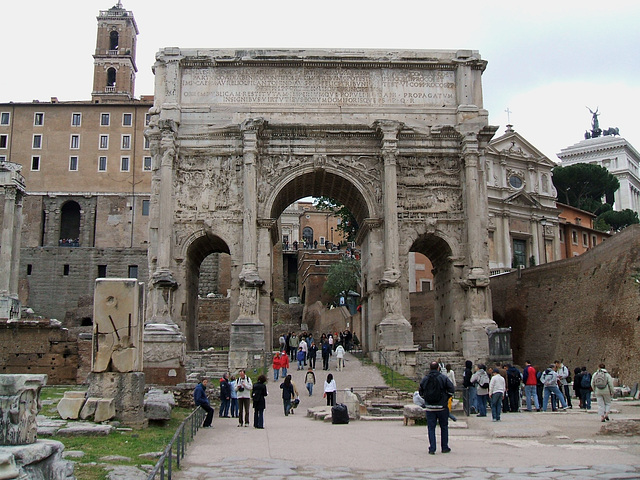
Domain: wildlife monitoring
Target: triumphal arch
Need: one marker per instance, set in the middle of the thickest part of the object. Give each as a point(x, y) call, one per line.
point(396, 136)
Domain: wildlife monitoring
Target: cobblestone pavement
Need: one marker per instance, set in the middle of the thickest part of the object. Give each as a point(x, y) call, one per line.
point(561, 445)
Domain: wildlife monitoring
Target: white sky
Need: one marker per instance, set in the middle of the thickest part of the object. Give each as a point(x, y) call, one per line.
point(547, 61)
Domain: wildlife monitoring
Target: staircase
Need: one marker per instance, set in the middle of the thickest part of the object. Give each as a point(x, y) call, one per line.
point(424, 358)
point(209, 364)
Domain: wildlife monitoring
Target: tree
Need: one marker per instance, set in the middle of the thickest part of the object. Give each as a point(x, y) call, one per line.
point(583, 186)
point(616, 221)
point(343, 277)
point(348, 225)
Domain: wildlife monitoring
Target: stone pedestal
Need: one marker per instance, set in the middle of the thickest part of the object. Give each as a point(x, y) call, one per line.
point(19, 406)
point(164, 354)
point(127, 392)
point(41, 460)
point(475, 343)
point(247, 345)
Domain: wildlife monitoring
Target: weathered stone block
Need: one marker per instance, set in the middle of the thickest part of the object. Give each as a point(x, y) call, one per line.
point(39, 461)
point(127, 392)
point(154, 410)
point(105, 410)
point(19, 406)
point(117, 327)
point(89, 408)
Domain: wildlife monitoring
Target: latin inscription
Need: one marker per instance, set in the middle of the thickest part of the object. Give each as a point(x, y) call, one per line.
point(319, 86)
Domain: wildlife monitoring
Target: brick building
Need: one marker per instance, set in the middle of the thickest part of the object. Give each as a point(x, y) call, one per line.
point(576, 232)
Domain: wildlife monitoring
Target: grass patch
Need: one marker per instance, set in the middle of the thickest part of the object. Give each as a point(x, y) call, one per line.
point(395, 380)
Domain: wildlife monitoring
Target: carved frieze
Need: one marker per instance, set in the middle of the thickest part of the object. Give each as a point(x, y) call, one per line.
point(429, 184)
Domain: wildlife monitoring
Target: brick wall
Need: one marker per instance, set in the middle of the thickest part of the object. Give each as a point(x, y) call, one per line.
point(583, 310)
point(213, 322)
point(37, 347)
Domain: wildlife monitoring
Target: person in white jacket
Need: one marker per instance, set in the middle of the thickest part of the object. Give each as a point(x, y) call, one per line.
point(340, 356)
point(497, 387)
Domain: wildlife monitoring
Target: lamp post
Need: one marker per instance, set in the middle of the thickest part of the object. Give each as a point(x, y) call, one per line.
point(543, 222)
point(331, 235)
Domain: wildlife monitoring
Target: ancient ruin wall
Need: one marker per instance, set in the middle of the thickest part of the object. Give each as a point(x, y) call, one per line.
point(583, 310)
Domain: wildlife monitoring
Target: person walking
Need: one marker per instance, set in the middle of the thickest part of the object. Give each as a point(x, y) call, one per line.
point(326, 353)
point(585, 388)
point(225, 396)
point(530, 379)
point(470, 389)
point(310, 380)
point(330, 390)
point(340, 356)
point(284, 364)
point(514, 379)
point(243, 387)
point(201, 400)
point(481, 380)
point(276, 364)
point(234, 396)
point(259, 403)
point(564, 379)
point(602, 385)
point(497, 388)
point(288, 394)
point(300, 357)
point(312, 354)
point(436, 388)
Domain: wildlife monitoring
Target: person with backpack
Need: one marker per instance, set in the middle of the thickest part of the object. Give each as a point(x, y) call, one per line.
point(436, 388)
point(530, 379)
point(481, 380)
point(602, 385)
point(549, 379)
point(514, 378)
point(585, 388)
point(564, 379)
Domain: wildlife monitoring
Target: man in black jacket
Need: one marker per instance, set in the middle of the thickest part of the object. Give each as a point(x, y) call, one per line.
point(436, 388)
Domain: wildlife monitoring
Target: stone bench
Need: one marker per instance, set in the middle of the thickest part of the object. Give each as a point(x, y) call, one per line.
point(413, 412)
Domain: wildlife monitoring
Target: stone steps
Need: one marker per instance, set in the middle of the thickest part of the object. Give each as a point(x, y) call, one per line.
point(206, 363)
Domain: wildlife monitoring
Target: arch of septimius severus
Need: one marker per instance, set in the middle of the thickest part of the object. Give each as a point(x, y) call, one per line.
point(396, 136)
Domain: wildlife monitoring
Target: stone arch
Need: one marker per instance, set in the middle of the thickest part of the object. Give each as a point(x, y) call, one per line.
point(195, 249)
point(441, 250)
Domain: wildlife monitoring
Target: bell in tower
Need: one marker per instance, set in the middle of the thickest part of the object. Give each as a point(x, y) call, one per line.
point(114, 61)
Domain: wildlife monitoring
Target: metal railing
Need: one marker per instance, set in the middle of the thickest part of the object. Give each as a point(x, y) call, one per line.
point(184, 434)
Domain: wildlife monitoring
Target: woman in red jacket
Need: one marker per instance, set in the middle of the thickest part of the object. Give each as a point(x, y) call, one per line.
point(277, 364)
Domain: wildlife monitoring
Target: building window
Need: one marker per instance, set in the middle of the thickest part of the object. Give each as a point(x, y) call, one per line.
point(594, 240)
point(5, 118)
point(146, 164)
point(75, 142)
point(104, 142)
point(126, 142)
point(124, 164)
point(66, 269)
point(37, 142)
point(585, 240)
point(133, 271)
point(29, 269)
point(38, 119)
point(102, 164)
point(4, 141)
point(145, 208)
point(321, 240)
point(35, 163)
point(111, 80)
point(574, 237)
point(76, 119)
point(73, 164)
point(146, 143)
point(126, 119)
point(147, 119)
point(561, 234)
point(102, 271)
point(104, 119)
point(3, 158)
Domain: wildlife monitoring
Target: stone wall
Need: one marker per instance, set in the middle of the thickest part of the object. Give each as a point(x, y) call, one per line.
point(39, 347)
point(58, 282)
point(583, 310)
point(423, 318)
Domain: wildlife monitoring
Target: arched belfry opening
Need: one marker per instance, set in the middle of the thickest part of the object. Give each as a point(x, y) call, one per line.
point(111, 77)
point(114, 38)
point(199, 254)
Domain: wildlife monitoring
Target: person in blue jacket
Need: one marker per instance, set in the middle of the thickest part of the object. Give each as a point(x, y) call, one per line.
point(201, 400)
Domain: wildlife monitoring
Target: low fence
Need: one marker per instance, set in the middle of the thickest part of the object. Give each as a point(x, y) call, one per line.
point(184, 434)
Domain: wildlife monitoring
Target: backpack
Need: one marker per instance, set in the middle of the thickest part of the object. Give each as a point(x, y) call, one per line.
point(484, 378)
point(585, 381)
point(432, 392)
point(514, 380)
point(549, 380)
point(600, 379)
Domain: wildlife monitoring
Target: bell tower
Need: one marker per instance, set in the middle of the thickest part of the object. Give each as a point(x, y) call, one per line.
point(114, 61)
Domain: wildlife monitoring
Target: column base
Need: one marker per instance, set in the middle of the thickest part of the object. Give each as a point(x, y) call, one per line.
point(164, 354)
point(127, 391)
point(475, 339)
point(36, 461)
point(247, 345)
point(9, 308)
point(395, 333)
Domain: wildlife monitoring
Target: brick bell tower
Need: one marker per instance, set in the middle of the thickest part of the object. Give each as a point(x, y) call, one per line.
point(114, 61)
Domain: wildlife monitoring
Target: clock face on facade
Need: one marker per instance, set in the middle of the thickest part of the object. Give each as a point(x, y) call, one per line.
point(515, 181)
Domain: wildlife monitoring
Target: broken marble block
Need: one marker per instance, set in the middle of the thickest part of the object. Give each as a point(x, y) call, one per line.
point(71, 404)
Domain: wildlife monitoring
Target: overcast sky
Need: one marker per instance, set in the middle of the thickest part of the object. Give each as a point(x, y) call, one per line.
point(547, 62)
